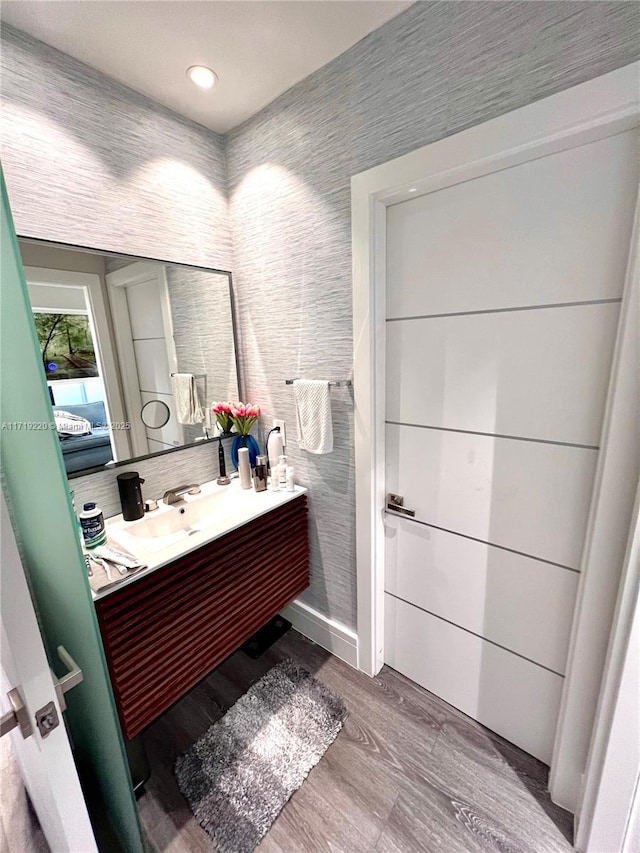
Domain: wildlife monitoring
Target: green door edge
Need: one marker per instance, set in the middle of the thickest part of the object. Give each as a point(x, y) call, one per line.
point(36, 489)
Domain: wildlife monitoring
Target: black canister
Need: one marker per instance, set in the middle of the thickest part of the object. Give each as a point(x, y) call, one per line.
point(131, 495)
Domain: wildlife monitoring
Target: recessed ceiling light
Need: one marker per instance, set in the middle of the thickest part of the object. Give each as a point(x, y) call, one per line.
point(202, 76)
point(413, 189)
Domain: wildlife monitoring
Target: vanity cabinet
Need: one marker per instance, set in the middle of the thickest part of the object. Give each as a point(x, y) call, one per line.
point(165, 632)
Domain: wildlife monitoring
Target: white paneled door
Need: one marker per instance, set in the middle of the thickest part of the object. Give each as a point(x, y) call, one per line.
point(502, 304)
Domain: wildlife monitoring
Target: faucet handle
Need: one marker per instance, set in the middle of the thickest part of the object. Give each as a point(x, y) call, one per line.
point(172, 496)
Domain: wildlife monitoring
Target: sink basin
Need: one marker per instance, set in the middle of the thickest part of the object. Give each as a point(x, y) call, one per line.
point(176, 528)
point(171, 523)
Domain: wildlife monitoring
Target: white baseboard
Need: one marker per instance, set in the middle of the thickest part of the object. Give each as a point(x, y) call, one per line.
point(332, 636)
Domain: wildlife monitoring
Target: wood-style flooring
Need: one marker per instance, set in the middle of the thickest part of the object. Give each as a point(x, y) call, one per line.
point(407, 772)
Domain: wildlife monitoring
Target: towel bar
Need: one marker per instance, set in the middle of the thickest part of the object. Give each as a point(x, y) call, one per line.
point(341, 383)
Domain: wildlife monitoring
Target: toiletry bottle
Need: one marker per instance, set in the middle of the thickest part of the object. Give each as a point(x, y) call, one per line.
point(92, 523)
point(282, 471)
point(275, 447)
point(291, 486)
point(244, 467)
point(260, 474)
point(275, 478)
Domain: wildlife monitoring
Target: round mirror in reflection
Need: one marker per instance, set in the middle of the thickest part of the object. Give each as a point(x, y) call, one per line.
point(155, 414)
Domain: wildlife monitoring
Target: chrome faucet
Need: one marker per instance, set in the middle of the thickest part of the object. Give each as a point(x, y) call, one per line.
point(174, 496)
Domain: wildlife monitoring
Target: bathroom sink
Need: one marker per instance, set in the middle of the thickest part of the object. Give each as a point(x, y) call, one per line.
point(157, 532)
point(171, 530)
point(170, 523)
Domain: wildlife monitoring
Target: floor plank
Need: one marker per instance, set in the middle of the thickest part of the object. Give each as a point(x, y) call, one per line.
point(511, 784)
point(407, 772)
point(425, 822)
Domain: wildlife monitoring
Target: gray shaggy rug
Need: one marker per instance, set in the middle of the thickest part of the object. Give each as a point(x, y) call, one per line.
point(241, 772)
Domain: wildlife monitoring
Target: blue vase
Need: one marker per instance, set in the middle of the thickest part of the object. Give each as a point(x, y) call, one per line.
point(250, 443)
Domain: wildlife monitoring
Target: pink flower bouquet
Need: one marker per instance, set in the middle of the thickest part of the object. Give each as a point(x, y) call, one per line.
point(243, 416)
point(222, 411)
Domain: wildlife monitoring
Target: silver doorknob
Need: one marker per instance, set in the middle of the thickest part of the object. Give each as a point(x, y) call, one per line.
point(395, 503)
point(17, 716)
point(46, 717)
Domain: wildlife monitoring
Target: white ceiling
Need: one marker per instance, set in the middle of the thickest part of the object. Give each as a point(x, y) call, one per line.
point(258, 48)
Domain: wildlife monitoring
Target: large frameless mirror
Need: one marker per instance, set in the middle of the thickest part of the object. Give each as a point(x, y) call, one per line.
point(134, 351)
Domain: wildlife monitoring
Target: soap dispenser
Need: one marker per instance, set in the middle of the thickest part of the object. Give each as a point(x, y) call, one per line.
point(131, 495)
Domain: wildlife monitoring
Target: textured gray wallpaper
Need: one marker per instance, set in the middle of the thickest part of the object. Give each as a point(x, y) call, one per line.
point(90, 162)
point(435, 69)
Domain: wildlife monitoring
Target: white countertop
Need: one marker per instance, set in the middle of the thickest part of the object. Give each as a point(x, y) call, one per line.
point(244, 505)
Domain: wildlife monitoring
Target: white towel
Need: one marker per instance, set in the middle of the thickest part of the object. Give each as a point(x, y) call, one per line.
point(185, 393)
point(313, 415)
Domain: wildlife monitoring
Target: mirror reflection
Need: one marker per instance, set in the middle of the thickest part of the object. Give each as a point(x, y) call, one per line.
point(134, 351)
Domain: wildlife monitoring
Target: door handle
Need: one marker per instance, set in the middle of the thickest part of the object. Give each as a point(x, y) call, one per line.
point(17, 716)
point(69, 680)
point(46, 717)
point(395, 503)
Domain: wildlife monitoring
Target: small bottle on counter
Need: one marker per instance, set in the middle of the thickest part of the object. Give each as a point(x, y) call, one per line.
point(92, 523)
point(244, 467)
point(275, 478)
point(291, 486)
point(282, 471)
point(260, 474)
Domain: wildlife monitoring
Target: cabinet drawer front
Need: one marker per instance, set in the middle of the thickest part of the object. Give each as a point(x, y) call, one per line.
point(166, 632)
